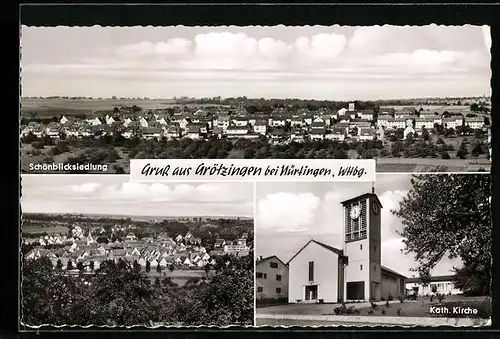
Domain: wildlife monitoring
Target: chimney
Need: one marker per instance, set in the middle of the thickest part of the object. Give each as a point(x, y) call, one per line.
point(260, 258)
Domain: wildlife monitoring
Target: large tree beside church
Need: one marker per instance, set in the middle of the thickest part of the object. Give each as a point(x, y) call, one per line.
point(450, 215)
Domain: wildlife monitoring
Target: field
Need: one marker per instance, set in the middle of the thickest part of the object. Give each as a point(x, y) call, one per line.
point(48, 230)
point(57, 107)
point(180, 277)
point(431, 165)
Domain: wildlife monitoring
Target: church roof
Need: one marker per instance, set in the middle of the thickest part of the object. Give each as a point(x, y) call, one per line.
point(388, 270)
point(330, 248)
point(363, 196)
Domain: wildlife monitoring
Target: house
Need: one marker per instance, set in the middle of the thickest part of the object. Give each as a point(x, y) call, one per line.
point(366, 115)
point(426, 123)
point(297, 135)
point(319, 272)
point(308, 120)
point(183, 123)
point(152, 133)
point(443, 284)
point(173, 132)
point(222, 121)
point(277, 134)
point(143, 122)
point(240, 121)
point(453, 122)
point(271, 281)
point(383, 120)
point(407, 131)
point(278, 121)
point(63, 120)
point(317, 133)
point(366, 134)
point(474, 122)
point(236, 131)
point(192, 132)
point(342, 111)
point(336, 134)
point(218, 132)
point(296, 121)
point(219, 243)
point(260, 127)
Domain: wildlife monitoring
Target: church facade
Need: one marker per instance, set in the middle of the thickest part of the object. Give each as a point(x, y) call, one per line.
point(319, 272)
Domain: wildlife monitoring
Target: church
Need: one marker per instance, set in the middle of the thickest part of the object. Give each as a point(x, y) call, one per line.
point(319, 272)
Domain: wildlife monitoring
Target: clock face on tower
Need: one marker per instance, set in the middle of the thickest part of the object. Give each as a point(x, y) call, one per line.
point(355, 212)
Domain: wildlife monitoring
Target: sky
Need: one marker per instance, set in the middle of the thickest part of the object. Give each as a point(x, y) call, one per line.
point(288, 215)
point(115, 195)
point(312, 62)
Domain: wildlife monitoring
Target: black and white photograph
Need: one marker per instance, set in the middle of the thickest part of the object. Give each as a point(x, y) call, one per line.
point(415, 98)
point(406, 250)
point(101, 251)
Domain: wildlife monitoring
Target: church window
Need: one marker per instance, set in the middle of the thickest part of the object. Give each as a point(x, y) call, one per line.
point(278, 290)
point(311, 270)
point(273, 264)
point(360, 267)
point(260, 289)
point(361, 247)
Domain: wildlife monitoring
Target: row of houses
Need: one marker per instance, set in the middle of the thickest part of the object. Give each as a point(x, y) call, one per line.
point(322, 124)
point(183, 251)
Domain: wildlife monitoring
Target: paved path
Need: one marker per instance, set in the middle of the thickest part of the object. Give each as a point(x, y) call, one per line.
point(282, 319)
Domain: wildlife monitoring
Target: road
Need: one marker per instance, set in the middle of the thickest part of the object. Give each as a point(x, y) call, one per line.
point(290, 322)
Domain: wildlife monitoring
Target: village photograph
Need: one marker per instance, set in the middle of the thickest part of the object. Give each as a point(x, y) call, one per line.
point(408, 250)
point(421, 103)
point(100, 251)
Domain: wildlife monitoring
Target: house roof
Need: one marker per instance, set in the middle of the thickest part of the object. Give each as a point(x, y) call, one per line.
point(270, 257)
point(432, 279)
point(362, 196)
point(330, 248)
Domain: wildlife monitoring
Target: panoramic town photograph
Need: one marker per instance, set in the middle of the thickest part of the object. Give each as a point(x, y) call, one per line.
point(106, 95)
point(100, 251)
point(408, 250)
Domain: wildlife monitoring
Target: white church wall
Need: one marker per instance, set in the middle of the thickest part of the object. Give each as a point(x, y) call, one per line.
point(325, 273)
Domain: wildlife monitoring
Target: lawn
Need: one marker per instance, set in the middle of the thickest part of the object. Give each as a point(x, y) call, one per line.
point(407, 309)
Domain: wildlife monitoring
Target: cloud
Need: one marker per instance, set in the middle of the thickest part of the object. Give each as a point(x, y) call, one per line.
point(287, 211)
point(174, 46)
point(85, 188)
point(321, 46)
point(487, 37)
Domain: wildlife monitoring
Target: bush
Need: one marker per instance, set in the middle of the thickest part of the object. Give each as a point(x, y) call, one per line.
point(401, 299)
point(440, 297)
point(390, 298)
point(38, 145)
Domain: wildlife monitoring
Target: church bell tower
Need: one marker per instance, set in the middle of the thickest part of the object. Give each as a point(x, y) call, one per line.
point(362, 247)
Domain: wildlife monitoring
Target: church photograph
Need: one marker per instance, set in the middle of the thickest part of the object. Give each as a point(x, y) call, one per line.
point(351, 249)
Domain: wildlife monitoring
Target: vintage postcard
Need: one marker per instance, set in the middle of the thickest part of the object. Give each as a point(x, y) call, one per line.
point(100, 251)
point(408, 250)
point(415, 98)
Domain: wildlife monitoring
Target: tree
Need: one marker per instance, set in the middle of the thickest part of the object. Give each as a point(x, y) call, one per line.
point(158, 268)
point(148, 266)
point(137, 267)
point(59, 265)
point(172, 267)
point(80, 266)
point(70, 265)
point(92, 265)
point(450, 215)
point(45, 296)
